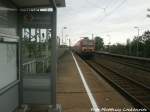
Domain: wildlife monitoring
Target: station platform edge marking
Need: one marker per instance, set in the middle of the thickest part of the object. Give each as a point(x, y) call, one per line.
point(93, 102)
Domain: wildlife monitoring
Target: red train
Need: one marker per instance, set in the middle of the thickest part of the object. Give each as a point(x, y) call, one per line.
point(85, 47)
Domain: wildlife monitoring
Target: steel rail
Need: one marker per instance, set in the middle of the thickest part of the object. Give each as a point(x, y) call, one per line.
point(125, 74)
point(121, 87)
point(133, 65)
point(128, 78)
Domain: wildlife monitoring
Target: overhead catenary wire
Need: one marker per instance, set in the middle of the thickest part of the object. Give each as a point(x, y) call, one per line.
point(75, 11)
point(111, 3)
point(93, 5)
point(110, 13)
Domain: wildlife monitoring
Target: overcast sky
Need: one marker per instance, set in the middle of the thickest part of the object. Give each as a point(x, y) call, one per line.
point(113, 20)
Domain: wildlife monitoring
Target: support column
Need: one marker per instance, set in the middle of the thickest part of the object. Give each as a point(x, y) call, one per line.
point(20, 75)
point(54, 57)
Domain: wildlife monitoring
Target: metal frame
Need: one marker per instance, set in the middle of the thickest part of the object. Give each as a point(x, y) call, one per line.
point(9, 86)
point(54, 54)
point(12, 3)
point(38, 6)
point(2, 35)
point(19, 80)
point(8, 42)
point(54, 59)
point(20, 87)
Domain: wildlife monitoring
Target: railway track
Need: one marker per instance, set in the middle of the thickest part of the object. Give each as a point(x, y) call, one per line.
point(130, 64)
point(133, 73)
point(136, 92)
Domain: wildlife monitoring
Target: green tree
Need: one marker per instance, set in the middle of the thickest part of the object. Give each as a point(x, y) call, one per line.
point(146, 42)
point(118, 49)
point(99, 43)
point(143, 43)
point(139, 45)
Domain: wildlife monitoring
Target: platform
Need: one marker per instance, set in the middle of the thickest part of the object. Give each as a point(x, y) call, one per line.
point(70, 90)
point(71, 93)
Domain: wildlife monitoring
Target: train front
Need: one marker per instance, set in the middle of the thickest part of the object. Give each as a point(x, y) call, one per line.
point(87, 47)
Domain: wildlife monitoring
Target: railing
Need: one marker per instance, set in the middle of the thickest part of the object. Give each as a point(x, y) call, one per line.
point(38, 65)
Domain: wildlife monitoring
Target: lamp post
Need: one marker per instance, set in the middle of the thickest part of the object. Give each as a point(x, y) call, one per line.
point(69, 43)
point(137, 44)
point(63, 33)
point(66, 39)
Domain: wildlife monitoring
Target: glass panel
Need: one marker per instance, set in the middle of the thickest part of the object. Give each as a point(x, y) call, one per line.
point(8, 65)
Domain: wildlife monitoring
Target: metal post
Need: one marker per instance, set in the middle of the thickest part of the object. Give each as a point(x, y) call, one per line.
point(40, 43)
point(109, 43)
point(62, 35)
point(29, 34)
point(69, 43)
point(137, 44)
point(47, 41)
point(54, 57)
point(43, 66)
point(36, 47)
point(59, 41)
point(20, 77)
point(130, 48)
point(30, 55)
point(92, 36)
point(35, 67)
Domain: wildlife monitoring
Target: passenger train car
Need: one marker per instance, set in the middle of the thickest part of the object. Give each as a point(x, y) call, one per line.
point(85, 47)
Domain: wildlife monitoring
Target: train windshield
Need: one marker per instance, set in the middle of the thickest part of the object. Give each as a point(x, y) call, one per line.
point(88, 43)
